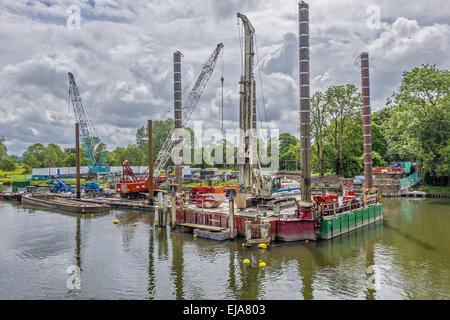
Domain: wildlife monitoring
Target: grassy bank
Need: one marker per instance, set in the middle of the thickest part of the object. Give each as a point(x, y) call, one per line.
point(7, 177)
point(435, 189)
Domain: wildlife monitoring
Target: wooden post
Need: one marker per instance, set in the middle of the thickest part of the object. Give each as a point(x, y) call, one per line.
point(150, 161)
point(174, 211)
point(165, 211)
point(231, 208)
point(77, 157)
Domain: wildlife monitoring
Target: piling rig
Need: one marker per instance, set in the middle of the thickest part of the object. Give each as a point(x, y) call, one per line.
point(254, 186)
point(132, 186)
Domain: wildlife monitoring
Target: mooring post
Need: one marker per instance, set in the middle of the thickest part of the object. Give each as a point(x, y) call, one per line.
point(178, 119)
point(366, 113)
point(231, 193)
point(77, 158)
point(165, 202)
point(173, 189)
point(150, 162)
point(305, 121)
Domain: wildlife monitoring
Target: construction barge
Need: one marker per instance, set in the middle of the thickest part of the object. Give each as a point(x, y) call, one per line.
point(63, 204)
point(263, 225)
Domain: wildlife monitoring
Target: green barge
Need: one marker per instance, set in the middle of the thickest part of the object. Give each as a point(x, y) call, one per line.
point(341, 223)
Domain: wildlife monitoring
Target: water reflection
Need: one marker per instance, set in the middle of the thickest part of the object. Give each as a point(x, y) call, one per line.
point(407, 256)
point(151, 265)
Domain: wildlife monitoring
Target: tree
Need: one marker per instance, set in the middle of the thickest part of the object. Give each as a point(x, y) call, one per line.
point(287, 142)
point(418, 128)
point(319, 121)
point(7, 165)
point(34, 155)
point(3, 148)
point(344, 103)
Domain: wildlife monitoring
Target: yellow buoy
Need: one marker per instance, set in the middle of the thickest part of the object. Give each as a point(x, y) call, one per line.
point(92, 215)
point(246, 261)
point(159, 229)
point(243, 244)
point(262, 264)
point(82, 210)
point(135, 224)
point(116, 221)
point(262, 246)
point(195, 236)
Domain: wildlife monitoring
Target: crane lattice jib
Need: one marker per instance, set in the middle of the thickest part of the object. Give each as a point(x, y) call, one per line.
point(191, 102)
point(81, 118)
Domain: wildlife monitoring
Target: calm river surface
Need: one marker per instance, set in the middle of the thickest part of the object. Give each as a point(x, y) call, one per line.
point(405, 257)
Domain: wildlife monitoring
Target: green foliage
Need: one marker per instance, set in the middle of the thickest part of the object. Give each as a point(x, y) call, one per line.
point(287, 150)
point(413, 127)
point(2, 148)
point(435, 189)
point(418, 127)
point(7, 165)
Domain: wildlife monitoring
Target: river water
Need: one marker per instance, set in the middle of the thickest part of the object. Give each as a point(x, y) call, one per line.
point(405, 257)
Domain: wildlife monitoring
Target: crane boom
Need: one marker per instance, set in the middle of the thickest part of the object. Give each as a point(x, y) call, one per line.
point(191, 102)
point(85, 128)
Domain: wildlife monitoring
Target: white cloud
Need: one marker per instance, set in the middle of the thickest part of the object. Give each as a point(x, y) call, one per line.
point(122, 59)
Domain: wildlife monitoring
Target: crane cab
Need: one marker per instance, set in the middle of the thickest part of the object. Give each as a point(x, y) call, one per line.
point(270, 185)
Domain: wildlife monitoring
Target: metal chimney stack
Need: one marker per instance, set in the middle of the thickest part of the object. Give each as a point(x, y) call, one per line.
point(178, 149)
point(305, 152)
point(367, 129)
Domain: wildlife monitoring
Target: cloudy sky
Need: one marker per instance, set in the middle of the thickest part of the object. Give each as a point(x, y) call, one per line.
point(121, 57)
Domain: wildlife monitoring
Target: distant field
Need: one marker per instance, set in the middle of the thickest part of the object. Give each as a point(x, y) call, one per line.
point(18, 174)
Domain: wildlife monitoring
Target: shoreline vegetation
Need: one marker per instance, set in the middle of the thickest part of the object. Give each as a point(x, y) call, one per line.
point(412, 126)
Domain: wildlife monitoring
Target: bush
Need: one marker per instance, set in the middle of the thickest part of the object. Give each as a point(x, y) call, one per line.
point(28, 169)
point(7, 165)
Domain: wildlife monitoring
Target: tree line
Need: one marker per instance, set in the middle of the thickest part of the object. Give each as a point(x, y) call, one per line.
point(413, 126)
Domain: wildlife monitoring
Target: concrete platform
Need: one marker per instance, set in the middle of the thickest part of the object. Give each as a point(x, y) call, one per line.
point(218, 236)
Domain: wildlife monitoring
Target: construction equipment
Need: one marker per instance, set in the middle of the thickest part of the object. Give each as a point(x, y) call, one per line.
point(132, 186)
point(60, 186)
point(91, 187)
point(135, 186)
point(86, 130)
point(252, 183)
point(188, 108)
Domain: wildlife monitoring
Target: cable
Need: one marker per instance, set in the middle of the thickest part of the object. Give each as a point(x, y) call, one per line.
point(240, 44)
point(221, 80)
point(262, 89)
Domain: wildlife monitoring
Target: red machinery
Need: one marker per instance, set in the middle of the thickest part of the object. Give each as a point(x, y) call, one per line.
point(132, 186)
point(326, 198)
point(210, 196)
point(209, 200)
point(195, 191)
point(388, 170)
point(349, 198)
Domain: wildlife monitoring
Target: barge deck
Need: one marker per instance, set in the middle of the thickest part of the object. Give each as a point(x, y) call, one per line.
point(68, 205)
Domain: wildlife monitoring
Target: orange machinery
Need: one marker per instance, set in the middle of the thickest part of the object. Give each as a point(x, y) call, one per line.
point(132, 186)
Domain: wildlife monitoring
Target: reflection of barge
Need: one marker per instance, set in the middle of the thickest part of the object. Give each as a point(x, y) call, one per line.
point(54, 202)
